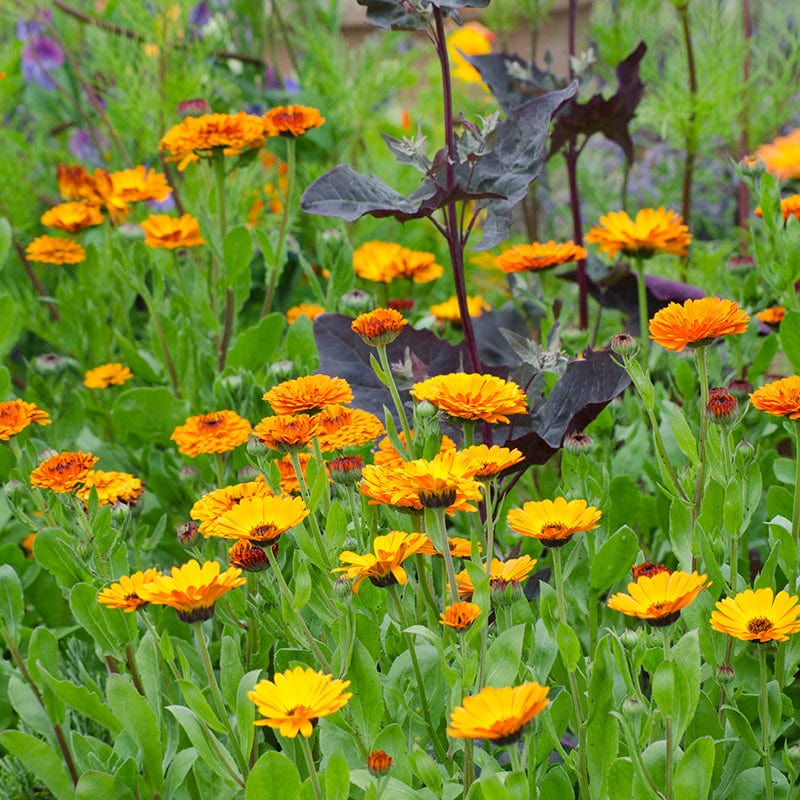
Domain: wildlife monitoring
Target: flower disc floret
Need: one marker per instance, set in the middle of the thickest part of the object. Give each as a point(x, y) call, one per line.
point(658, 599)
point(308, 393)
point(295, 699)
point(215, 432)
point(538, 256)
point(697, 323)
point(553, 521)
point(16, 415)
point(652, 231)
point(472, 397)
point(498, 714)
point(780, 398)
point(757, 616)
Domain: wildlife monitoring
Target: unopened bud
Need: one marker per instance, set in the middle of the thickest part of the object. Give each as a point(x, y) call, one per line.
point(578, 442)
point(623, 344)
point(13, 487)
point(189, 474)
point(188, 533)
point(247, 474)
point(193, 108)
point(726, 674)
point(281, 370)
point(356, 301)
point(256, 448)
point(629, 638)
point(722, 407)
point(346, 470)
point(379, 762)
point(632, 707)
point(50, 364)
point(752, 166)
point(793, 755)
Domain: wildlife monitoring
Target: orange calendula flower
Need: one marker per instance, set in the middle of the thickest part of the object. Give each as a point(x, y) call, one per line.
point(653, 231)
point(460, 616)
point(261, 519)
point(288, 477)
point(757, 616)
point(196, 137)
point(192, 589)
point(491, 461)
point(379, 327)
point(772, 316)
point(697, 323)
point(472, 397)
point(387, 456)
point(113, 374)
point(647, 568)
point(658, 599)
point(287, 433)
point(125, 594)
point(379, 762)
point(111, 487)
point(498, 714)
point(291, 121)
point(473, 39)
point(383, 566)
point(295, 699)
point(782, 157)
point(170, 233)
point(779, 398)
point(72, 217)
point(384, 261)
point(55, 250)
point(310, 310)
point(341, 427)
point(553, 521)
point(450, 312)
point(501, 574)
point(16, 415)
point(140, 184)
point(74, 182)
point(248, 556)
point(459, 547)
point(215, 432)
point(214, 504)
point(308, 393)
point(63, 472)
point(790, 207)
point(538, 256)
point(445, 481)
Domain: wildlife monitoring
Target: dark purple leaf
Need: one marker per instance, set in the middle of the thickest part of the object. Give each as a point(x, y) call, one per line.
point(450, 4)
point(393, 15)
point(609, 117)
point(493, 347)
point(512, 80)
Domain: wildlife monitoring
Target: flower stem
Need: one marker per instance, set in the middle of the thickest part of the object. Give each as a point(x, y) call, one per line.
point(312, 770)
point(444, 546)
point(516, 758)
point(383, 357)
point(641, 290)
point(669, 767)
point(796, 508)
point(489, 556)
point(558, 579)
point(438, 747)
point(699, 482)
point(162, 338)
point(766, 750)
point(205, 657)
point(305, 494)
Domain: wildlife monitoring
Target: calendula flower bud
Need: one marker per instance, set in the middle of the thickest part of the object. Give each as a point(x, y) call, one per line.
point(793, 755)
point(188, 474)
point(12, 488)
point(256, 448)
point(346, 470)
point(752, 166)
point(726, 674)
point(632, 707)
point(629, 638)
point(623, 344)
point(378, 762)
point(188, 533)
point(356, 301)
point(50, 364)
point(281, 370)
point(247, 474)
point(722, 407)
point(577, 443)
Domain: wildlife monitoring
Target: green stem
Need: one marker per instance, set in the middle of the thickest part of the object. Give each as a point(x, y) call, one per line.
point(558, 579)
point(288, 597)
point(306, 495)
point(489, 555)
point(766, 749)
point(83, 522)
point(725, 441)
point(216, 694)
point(515, 757)
point(398, 404)
point(796, 508)
point(312, 769)
point(439, 748)
point(219, 463)
point(157, 639)
point(133, 667)
point(291, 164)
point(162, 339)
point(670, 765)
point(469, 764)
point(444, 546)
point(425, 585)
point(643, 316)
point(702, 372)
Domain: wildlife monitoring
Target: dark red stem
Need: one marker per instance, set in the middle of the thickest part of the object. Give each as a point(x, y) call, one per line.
point(744, 143)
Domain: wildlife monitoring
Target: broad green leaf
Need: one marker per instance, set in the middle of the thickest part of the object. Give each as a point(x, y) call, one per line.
point(12, 604)
point(83, 701)
point(504, 657)
point(237, 251)
point(149, 413)
point(366, 704)
point(10, 323)
point(602, 728)
point(695, 770)
point(106, 626)
point(246, 710)
point(196, 700)
point(41, 760)
point(568, 646)
point(741, 727)
point(790, 338)
point(337, 777)
point(93, 784)
point(424, 767)
point(254, 347)
point(5, 241)
point(556, 785)
point(683, 435)
point(58, 558)
point(273, 776)
point(613, 560)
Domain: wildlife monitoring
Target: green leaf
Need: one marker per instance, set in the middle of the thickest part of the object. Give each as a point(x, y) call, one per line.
point(301, 345)
point(767, 575)
point(424, 767)
point(58, 558)
point(680, 532)
point(12, 603)
point(613, 560)
point(196, 700)
point(5, 241)
point(302, 583)
point(41, 760)
point(254, 347)
point(107, 627)
point(505, 656)
point(556, 785)
point(790, 338)
point(140, 724)
point(366, 704)
point(568, 646)
point(10, 323)
point(246, 710)
point(274, 776)
point(337, 777)
point(602, 728)
point(741, 727)
point(83, 701)
point(237, 250)
point(94, 784)
point(149, 413)
point(209, 748)
point(683, 435)
point(762, 359)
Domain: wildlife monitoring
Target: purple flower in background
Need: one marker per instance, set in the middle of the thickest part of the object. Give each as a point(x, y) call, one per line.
point(40, 57)
point(290, 85)
point(163, 207)
point(28, 28)
point(84, 147)
point(200, 15)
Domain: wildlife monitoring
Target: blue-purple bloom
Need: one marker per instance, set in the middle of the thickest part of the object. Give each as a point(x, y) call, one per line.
point(40, 56)
point(84, 147)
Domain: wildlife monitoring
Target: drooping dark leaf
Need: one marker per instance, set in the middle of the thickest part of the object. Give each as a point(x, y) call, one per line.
point(514, 163)
point(512, 80)
point(343, 353)
point(587, 386)
point(609, 117)
point(392, 15)
point(451, 4)
point(493, 347)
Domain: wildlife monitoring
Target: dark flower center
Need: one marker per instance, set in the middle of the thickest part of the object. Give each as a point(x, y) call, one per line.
point(759, 625)
point(263, 532)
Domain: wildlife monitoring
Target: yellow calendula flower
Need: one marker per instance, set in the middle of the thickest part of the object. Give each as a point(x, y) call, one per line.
point(308, 393)
point(112, 374)
point(652, 231)
point(782, 156)
point(16, 415)
point(658, 599)
point(492, 461)
point(217, 502)
point(295, 699)
point(111, 487)
point(261, 519)
point(72, 217)
point(757, 616)
point(772, 316)
point(382, 262)
point(287, 433)
point(539, 256)
point(501, 574)
point(341, 427)
point(55, 250)
point(169, 233)
point(310, 310)
point(780, 398)
point(448, 311)
point(126, 593)
point(379, 327)
point(553, 521)
point(473, 39)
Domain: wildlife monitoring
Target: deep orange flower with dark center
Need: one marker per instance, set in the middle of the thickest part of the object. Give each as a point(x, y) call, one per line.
point(658, 599)
point(782, 157)
point(140, 184)
point(790, 207)
point(387, 456)
point(16, 415)
point(55, 250)
point(653, 231)
point(472, 397)
point(169, 233)
point(780, 398)
point(460, 616)
point(248, 556)
point(553, 521)
point(308, 393)
point(63, 472)
point(287, 433)
point(355, 428)
point(74, 182)
point(647, 568)
point(445, 481)
point(492, 461)
point(499, 715)
point(192, 589)
point(697, 323)
point(112, 374)
point(215, 432)
point(291, 121)
point(261, 519)
point(448, 311)
point(196, 137)
point(379, 327)
point(72, 217)
point(772, 316)
point(382, 262)
point(215, 503)
point(125, 593)
point(310, 310)
point(539, 256)
point(383, 566)
point(111, 487)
